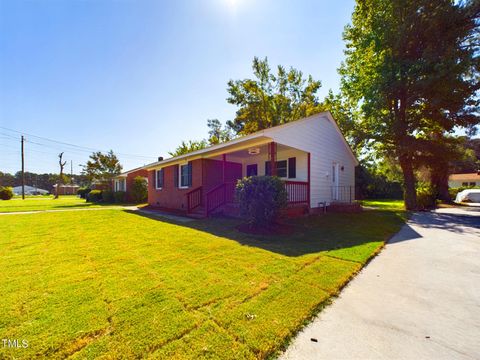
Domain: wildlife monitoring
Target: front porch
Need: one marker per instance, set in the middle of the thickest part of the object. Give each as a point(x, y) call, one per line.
point(221, 172)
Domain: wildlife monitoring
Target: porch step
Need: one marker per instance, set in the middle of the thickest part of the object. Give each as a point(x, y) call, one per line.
point(197, 213)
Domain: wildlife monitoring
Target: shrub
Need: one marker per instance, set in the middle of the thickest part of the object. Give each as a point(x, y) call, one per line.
point(94, 196)
point(119, 196)
point(139, 189)
point(107, 196)
point(6, 193)
point(261, 198)
point(426, 198)
point(83, 191)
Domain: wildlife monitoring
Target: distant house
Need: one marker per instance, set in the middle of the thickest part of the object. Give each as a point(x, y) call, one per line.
point(29, 190)
point(124, 181)
point(65, 189)
point(310, 154)
point(458, 180)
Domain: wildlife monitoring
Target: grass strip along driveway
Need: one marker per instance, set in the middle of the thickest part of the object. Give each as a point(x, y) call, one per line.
point(122, 285)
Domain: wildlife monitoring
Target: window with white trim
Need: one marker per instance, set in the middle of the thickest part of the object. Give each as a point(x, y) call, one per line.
point(120, 185)
point(185, 175)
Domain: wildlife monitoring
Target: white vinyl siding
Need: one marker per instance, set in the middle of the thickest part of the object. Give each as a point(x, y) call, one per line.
point(320, 137)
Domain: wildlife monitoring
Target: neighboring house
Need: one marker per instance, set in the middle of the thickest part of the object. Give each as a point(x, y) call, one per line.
point(65, 189)
point(29, 190)
point(310, 154)
point(124, 181)
point(100, 185)
point(458, 180)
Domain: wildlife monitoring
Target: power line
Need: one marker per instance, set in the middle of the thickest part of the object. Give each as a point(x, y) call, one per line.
point(78, 147)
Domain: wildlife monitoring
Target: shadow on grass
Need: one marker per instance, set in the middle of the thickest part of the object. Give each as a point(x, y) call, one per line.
point(312, 234)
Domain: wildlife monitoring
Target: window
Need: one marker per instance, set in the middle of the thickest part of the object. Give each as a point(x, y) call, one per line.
point(252, 170)
point(120, 185)
point(186, 175)
point(292, 168)
point(464, 183)
point(281, 168)
point(159, 179)
point(472, 184)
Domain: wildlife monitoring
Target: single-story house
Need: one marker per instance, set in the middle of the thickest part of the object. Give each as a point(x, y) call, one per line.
point(458, 180)
point(65, 189)
point(29, 190)
point(310, 154)
point(124, 181)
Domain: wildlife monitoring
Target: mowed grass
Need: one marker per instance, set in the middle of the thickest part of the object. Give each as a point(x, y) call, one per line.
point(42, 203)
point(386, 204)
point(115, 284)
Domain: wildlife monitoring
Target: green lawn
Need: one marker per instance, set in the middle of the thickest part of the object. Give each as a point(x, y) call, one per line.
point(116, 284)
point(386, 204)
point(41, 203)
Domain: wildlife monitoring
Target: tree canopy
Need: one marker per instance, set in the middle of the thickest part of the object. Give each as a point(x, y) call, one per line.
point(411, 68)
point(188, 146)
point(271, 99)
point(102, 167)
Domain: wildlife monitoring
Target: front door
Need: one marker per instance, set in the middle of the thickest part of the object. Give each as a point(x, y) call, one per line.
point(252, 170)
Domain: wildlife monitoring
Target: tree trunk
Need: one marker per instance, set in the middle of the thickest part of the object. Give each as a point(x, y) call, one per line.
point(409, 182)
point(57, 190)
point(439, 180)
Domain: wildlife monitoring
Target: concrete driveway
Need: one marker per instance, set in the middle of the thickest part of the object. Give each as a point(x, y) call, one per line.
point(419, 299)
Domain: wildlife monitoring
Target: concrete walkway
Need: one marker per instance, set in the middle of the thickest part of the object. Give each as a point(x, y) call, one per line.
point(154, 213)
point(419, 299)
point(133, 208)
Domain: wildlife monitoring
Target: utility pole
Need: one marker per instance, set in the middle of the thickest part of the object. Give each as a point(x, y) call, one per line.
point(23, 169)
point(71, 172)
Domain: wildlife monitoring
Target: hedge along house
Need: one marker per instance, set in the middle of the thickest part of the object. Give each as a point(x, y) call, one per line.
point(310, 155)
point(124, 181)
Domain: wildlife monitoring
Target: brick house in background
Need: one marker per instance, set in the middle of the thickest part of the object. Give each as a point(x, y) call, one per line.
point(65, 189)
point(124, 181)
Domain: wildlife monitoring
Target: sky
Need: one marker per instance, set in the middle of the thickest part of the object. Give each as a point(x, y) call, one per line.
point(139, 76)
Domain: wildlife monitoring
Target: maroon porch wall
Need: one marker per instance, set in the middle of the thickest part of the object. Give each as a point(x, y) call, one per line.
point(213, 172)
point(129, 182)
point(170, 196)
point(205, 172)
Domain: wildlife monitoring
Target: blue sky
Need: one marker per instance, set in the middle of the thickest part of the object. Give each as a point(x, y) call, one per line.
point(140, 76)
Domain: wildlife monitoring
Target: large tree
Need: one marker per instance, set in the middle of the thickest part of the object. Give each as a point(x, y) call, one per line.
point(412, 68)
point(271, 99)
point(101, 168)
point(218, 133)
point(188, 146)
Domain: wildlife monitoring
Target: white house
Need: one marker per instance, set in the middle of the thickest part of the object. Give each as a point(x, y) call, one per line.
point(310, 154)
point(458, 180)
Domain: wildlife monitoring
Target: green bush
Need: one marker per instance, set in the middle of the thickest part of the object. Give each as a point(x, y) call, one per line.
point(139, 189)
point(83, 191)
point(426, 198)
point(119, 196)
point(94, 196)
point(261, 198)
point(6, 193)
point(107, 196)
